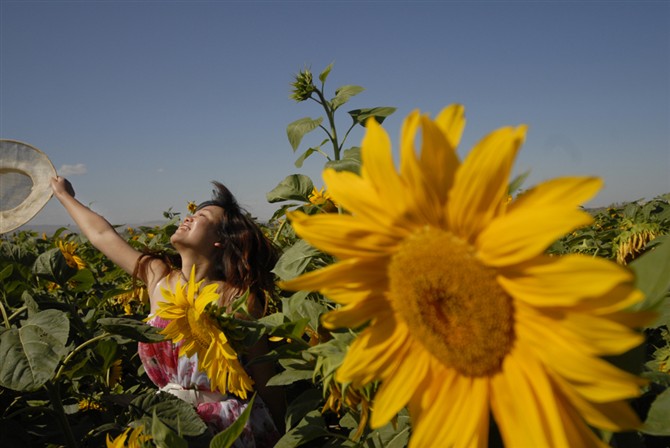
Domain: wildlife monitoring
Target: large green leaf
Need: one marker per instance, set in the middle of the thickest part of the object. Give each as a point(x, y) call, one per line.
point(659, 416)
point(652, 274)
point(296, 187)
point(177, 414)
point(311, 427)
point(131, 328)
point(360, 116)
point(295, 260)
point(226, 438)
point(52, 266)
point(297, 130)
point(343, 94)
point(30, 354)
point(163, 436)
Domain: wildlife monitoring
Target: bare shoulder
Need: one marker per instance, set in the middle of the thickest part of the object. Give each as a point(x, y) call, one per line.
point(151, 270)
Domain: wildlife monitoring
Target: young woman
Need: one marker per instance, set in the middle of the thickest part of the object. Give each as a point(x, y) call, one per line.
point(229, 250)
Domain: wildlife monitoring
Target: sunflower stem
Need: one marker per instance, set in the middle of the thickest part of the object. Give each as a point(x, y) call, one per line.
point(78, 349)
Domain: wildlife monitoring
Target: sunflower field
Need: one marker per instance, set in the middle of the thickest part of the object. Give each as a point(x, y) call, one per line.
point(437, 303)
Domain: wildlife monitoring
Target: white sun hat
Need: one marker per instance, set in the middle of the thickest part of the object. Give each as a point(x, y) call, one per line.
point(25, 183)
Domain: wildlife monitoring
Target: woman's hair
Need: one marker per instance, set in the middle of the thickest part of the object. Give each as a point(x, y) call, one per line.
point(246, 256)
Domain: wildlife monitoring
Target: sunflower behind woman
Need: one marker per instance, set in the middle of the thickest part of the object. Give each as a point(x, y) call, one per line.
point(202, 336)
point(465, 314)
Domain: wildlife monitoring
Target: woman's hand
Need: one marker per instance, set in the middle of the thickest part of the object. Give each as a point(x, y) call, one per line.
point(61, 186)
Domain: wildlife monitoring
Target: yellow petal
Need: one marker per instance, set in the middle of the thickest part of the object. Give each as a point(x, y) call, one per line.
point(592, 377)
point(398, 388)
point(343, 235)
point(350, 273)
point(563, 192)
point(526, 233)
point(379, 169)
point(524, 404)
point(438, 159)
point(360, 198)
point(481, 182)
point(612, 416)
point(457, 417)
point(373, 352)
point(356, 314)
point(452, 122)
point(427, 207)
point(562, 281)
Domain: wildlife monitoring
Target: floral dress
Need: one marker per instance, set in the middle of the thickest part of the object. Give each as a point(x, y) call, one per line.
point(179, 375)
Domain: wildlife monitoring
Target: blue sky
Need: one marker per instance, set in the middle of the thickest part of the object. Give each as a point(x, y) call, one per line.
point(145, 102)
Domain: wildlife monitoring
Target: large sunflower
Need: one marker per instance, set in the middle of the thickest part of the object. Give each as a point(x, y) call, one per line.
point(465, 313)
point(185, 308)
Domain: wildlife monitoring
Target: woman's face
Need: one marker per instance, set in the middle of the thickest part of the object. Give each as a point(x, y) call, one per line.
point(200, 230)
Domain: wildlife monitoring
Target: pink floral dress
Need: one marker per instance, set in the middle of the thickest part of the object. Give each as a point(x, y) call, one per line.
point(180, 376)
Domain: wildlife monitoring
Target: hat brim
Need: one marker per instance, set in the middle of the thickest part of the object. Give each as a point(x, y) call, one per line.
point(18, 158)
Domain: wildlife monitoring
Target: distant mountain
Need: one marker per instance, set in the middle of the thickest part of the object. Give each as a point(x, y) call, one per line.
point(50, 229)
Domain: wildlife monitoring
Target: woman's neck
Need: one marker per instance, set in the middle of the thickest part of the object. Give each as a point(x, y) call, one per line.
point(204, 268)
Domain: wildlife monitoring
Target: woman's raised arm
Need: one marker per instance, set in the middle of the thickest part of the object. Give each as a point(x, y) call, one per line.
point(102, 235)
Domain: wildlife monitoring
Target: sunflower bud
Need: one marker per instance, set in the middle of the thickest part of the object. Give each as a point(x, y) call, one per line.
point(303, 87)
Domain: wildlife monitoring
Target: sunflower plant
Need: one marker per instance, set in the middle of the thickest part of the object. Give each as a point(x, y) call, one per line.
point(453, 298)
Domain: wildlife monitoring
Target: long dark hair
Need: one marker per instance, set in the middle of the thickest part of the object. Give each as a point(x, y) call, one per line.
point(247, 256)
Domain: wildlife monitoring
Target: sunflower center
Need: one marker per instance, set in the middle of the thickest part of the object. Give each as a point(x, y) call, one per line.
point(452, 303)
point(198, 333)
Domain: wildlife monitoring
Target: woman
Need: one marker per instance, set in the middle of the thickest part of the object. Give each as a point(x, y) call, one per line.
point(229, 250)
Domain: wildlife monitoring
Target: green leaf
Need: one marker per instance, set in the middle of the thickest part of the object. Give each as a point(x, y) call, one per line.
point(345, 164)
point(163, 436)
point(309, 152)
point(226, 438)
point(52, 266)
point(305, 402)
point(517, 182)
point(297, 130)
point(324, 74)
point(658, 416)
point(360, 116)
point(298, 306)
point(311, 427)
point(343, 94)
point(177, 414)
point(84, 280)
point(290, 376)
point(30, 354)
point(652, 273)
point(131, 328)
point(6, 272)
point(294, 260)
point(296, 187)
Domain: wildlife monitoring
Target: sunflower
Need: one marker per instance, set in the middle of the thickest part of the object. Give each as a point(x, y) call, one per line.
point(191, 207)
point(68, 249)
point(322, 199)
point(465, 314)
point(190, 323)
point(136, 439)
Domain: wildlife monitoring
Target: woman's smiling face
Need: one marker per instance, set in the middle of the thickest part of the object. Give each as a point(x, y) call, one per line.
point(200, 230)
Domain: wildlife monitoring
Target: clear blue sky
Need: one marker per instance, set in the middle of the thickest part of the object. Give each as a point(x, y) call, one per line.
point(145, 102)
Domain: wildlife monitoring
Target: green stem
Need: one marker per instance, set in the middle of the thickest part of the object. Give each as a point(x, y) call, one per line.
point(17, 312)
point(57, 404)
point(281, 227)
point(4, 316)
point(331, 120)
point(347, 135)
point(77, 350)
